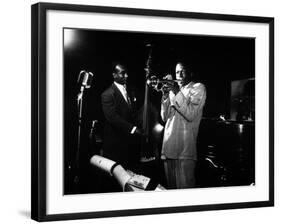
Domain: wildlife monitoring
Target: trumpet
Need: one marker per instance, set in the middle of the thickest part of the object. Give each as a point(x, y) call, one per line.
point(161, 84)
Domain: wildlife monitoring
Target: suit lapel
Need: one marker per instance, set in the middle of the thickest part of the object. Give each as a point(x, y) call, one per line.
point(119, 94)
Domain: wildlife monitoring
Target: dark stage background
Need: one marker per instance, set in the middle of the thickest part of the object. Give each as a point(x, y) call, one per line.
point(216, 62)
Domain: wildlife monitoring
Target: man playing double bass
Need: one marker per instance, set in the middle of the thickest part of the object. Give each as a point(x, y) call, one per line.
point(181, 110)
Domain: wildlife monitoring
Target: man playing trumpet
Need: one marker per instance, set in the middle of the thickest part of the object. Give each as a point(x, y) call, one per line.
point(181, 110)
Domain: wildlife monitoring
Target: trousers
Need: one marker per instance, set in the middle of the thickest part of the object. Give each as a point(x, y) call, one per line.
point(180, 173)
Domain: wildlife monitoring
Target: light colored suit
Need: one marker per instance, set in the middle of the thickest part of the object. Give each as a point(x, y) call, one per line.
point(182, 113)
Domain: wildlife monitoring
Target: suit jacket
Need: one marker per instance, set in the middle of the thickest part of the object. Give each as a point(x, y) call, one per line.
point(118, 142)
point(182, 114)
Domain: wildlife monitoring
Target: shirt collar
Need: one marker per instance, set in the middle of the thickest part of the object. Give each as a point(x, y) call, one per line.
point(187, 85)
point(122, 88)
point(119, 85)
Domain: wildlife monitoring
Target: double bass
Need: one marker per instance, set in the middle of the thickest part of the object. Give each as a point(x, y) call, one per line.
point(149, 151)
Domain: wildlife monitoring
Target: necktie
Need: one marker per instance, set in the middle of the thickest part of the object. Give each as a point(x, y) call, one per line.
point(126, 96)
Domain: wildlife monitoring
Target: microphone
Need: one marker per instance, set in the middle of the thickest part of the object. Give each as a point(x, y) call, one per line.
point(85, 78)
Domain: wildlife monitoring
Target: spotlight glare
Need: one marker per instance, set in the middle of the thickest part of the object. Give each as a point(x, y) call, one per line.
point(69, 38)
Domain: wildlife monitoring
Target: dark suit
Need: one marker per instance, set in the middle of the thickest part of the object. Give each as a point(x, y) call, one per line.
point(119, 144)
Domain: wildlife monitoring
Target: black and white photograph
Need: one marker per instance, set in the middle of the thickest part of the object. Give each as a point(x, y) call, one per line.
point(140, 112)
point(157, 111)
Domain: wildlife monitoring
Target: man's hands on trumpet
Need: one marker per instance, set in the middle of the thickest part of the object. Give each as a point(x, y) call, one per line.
point(173, 86)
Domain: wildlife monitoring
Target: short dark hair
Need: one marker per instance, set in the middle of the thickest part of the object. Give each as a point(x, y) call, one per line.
point(115, 64)
point(184, 64)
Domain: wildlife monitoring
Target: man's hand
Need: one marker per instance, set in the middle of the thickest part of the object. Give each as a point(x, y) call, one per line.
point(173, 86)
point(167, 86)
point(138, 132)
point(168, 77)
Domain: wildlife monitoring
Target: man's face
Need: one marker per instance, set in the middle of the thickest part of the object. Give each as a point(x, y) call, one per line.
point(181, 74)
point(120, 75)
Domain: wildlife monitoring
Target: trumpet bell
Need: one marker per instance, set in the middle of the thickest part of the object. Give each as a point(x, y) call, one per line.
point(161, 84)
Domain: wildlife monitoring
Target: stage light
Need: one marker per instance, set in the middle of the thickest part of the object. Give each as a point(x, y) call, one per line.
point(70, 38)
point(128, 180)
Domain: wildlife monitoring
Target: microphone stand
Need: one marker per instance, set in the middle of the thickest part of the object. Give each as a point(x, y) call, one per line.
point(80, 107)
point(86, 83)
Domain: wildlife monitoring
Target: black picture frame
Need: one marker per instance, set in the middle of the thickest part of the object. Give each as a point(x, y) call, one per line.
point(39, 110)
